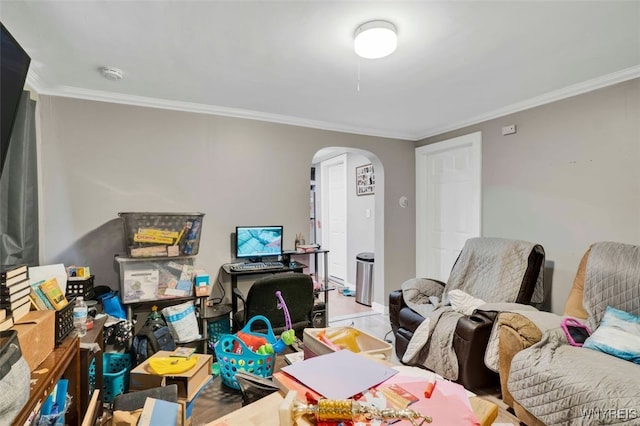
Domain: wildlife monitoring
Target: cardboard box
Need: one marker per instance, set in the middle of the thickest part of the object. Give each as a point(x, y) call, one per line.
point(346, 337)
point(189, 382)
point(187, 405)
point(36, 334)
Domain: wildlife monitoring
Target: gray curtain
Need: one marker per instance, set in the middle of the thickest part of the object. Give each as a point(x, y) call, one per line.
point(19, 191)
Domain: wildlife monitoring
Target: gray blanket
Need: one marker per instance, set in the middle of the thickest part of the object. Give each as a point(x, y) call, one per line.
point(561, 384)
point(490, 269)
point(566, 385)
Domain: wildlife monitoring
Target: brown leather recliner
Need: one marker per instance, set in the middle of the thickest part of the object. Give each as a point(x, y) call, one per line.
point(472, 332)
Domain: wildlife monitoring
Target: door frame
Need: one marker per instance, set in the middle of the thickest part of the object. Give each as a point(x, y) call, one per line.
point(474, 142)
point(324, 189)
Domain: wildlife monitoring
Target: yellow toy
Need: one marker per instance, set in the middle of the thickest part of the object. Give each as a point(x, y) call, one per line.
point(172, 365)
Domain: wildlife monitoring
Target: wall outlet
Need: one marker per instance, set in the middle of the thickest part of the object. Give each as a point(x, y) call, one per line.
point(509, 130)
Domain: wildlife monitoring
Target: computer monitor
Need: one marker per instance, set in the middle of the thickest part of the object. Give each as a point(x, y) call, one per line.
point(256, 242)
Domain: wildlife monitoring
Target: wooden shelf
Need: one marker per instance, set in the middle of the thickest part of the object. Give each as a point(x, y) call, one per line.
point(64, 361)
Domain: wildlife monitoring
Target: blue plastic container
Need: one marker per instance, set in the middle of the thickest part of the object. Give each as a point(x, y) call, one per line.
point(247, 360)
point(115, 377)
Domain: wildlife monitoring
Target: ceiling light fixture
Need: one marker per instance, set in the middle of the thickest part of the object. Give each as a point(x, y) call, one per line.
point(375, 39)
point(111, 73)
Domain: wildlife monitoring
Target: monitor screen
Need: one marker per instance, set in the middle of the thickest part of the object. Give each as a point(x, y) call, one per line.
point(14, 63)
point(258, 241)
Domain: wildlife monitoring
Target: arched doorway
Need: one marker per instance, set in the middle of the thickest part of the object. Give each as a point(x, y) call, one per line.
point(345, 218)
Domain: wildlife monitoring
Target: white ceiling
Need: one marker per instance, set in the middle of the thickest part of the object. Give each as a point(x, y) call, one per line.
point(292, 61)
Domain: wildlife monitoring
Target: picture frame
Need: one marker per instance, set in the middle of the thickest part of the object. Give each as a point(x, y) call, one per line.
point(365, 180)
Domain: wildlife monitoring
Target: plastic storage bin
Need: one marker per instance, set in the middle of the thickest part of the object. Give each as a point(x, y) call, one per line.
point(162, 234)
point(82, 288)
point(154, 279)
point(64, 321)
point(115, 377)
point(348, 337)
point(216, 327)
point(246, 360)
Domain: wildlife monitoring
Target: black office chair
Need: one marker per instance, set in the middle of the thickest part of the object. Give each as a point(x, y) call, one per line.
point(297, 292)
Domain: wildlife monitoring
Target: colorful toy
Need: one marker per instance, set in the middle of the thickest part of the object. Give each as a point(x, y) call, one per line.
point(286, 338)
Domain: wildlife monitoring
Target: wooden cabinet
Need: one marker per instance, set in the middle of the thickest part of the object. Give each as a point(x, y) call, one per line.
point(63, 362)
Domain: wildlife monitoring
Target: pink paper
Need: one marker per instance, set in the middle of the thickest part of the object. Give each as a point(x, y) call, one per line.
point(448, 405)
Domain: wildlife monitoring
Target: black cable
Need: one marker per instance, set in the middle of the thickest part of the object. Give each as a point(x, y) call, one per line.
point(221, 298)
point(385, 336)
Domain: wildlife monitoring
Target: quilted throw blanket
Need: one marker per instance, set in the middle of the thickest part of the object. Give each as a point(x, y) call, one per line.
point(562, 384)
point(488, 269)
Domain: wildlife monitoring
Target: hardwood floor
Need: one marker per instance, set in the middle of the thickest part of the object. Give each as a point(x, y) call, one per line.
point(343, 306)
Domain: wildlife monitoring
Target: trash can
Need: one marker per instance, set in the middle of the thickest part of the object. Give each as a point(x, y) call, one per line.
point(364, 278)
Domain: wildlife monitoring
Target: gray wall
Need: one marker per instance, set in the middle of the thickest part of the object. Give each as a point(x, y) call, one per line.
point(569, 177)
point(98, 159)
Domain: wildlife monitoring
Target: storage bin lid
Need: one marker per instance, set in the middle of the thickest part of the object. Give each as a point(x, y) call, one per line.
point(366, 256)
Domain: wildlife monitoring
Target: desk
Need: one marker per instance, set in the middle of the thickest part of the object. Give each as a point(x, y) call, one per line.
point(226, 268)
point(320, 313)
point(64, 361)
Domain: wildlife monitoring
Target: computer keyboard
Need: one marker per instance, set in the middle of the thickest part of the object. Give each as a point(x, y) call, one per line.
point(256, 266)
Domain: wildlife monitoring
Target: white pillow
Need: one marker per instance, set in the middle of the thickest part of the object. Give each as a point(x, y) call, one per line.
point(618, 334)
point(463, 302)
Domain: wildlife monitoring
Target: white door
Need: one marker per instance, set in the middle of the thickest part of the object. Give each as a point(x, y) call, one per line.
point(448, 206)
point(334, 215)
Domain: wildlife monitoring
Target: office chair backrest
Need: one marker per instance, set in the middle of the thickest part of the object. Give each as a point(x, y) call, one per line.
point(135, 400)
point(297, 292)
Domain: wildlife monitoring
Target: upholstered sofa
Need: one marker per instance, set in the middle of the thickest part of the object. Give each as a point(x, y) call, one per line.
point(472, 331)
point(546, 380)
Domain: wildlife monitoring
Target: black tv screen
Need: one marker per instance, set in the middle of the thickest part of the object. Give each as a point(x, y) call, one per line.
point(14, 64)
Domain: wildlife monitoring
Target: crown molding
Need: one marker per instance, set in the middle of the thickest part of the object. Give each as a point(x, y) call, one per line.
point(40, 86)
point(556, 95)
point(35, 82)
point(119, 98)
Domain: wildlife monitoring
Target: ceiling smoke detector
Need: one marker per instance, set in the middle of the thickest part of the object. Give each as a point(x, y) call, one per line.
point(111, 73)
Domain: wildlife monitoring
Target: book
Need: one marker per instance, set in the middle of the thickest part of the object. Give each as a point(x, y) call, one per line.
point(21, 310)
point(54, 293)
point(14, 287)
point(38, 291)
point(11, 271)
point(3, 314)
point(7, 323)
point(10, 282)
point(12, 306)
point(158, 411)
point(15, 296)
point(183, 352)
point(36, 301)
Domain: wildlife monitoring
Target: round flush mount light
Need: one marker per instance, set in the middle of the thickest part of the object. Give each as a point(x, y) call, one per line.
point(111, 73)
point(375, 39)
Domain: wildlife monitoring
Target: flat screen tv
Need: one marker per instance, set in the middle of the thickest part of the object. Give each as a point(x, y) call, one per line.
point(14, 64)
point(256, 242)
